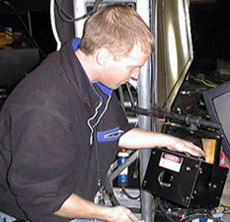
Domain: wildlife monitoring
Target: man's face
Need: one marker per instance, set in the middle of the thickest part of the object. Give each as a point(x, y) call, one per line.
point(120, 71)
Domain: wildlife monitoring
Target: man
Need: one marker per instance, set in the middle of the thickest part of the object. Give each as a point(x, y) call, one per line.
point(62, 125)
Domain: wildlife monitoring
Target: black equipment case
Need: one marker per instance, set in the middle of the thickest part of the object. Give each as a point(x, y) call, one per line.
point(184, 180)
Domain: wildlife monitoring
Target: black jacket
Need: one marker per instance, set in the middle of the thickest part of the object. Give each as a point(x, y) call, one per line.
point(46, 126)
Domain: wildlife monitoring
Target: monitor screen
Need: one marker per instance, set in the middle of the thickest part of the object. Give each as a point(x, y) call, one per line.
point(217, 101)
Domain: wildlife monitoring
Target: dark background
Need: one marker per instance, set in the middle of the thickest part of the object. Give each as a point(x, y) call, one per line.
point(210, 25)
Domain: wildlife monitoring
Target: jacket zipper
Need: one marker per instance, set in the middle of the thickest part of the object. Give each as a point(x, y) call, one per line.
point(99, 119)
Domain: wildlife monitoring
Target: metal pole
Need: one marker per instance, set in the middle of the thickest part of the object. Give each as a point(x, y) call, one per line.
point(145, 123)
point(144, 101)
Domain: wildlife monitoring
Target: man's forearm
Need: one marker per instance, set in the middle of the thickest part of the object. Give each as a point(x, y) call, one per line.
point(76, 207)
point(138, 138)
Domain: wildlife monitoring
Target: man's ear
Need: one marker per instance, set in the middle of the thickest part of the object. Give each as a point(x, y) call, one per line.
point(103, 57)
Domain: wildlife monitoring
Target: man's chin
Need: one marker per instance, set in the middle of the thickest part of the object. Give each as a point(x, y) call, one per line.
point(114, 87)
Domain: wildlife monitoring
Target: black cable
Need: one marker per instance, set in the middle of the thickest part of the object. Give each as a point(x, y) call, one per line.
point(226, 209)
point(67, 17)
point(199, 216)
point(188, 218)
point(62, 11)
point(128, 195)
point(24, 26)
point(163, 210)
point(130, 95)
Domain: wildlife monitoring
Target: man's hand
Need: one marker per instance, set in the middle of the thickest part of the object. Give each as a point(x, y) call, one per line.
point(140, 139)
point(120, 213)
point(177, 144)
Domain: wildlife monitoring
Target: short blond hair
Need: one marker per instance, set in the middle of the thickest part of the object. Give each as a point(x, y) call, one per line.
point(117, 28)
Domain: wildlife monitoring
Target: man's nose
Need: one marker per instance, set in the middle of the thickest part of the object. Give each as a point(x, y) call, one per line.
point(135, 74)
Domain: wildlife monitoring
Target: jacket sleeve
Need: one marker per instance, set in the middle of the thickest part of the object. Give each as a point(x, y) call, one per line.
point(40, 172)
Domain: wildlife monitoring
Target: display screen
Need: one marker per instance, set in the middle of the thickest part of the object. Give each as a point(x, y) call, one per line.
point(217, 101)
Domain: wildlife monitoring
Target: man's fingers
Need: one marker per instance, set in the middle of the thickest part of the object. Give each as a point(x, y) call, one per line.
point(133, 217)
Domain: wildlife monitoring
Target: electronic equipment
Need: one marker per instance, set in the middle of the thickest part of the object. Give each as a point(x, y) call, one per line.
point(217, 101)
point(184, 180)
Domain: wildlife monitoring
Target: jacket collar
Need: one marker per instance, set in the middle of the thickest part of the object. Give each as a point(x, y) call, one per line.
point(107, 91)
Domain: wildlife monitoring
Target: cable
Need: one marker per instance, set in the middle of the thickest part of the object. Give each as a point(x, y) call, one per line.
point(128, 195)
point(67, 17)
point(204, 82)
point(53, 24)
point(199, 216)
point(226, 209)
point(183, 216)
point(24, 26)
point(163, 210)
point(130, 95)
